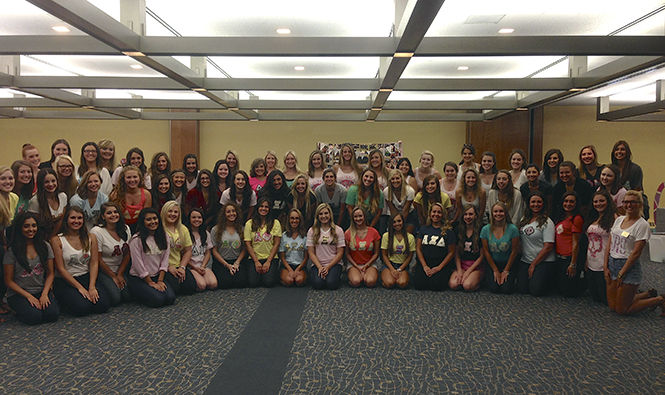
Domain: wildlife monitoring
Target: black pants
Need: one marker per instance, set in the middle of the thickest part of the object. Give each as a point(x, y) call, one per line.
point(332, 280)
point(568, 286)
point(28, 314)
point(539, 283)
point(226, 280)
point(437, 282)
point(187, 287)
point(116, 295)
point(149, 296)
point(72, 301)
point(597, 286)
point(255, 279)
point(508, 286)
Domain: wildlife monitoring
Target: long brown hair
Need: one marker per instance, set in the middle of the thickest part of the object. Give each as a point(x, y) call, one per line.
point(84, 238)
point(222, 222)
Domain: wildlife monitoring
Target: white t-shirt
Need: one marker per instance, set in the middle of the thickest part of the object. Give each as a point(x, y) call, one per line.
point(623, 240)
point(111, 250)
point(399, 205)
point(534, 238)
point(598, 244)
point(198, 250)
point(33, 206)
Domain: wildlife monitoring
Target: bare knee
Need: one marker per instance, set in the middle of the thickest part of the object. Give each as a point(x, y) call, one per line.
point(403, 282)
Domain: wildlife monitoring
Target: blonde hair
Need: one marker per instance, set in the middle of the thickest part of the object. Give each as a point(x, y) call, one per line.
point(353, 162)
point(295, 158)
point(391, 193)
point(119, 191)
point(165, 209)
point(316, 228)
point(5, 213)
point(307, 194)
point(68, 186)
point(631, 192)
point(428, 152)
point(353, 228)
point(445, 225)
point(107, 144)
point(273, 153)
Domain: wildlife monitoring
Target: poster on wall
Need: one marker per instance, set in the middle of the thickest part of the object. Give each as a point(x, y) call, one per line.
point(391, 152)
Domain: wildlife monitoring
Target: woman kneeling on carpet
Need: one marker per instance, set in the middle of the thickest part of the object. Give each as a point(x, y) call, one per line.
point(501, 243)
point(325, 244)
point(362, 250)
point(623, 271)
point(397, 248)
point(435, 247)
point(293, 251)
point(179, 276)
point(469, 257)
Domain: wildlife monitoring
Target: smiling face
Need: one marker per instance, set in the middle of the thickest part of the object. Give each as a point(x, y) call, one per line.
point(607, 177)
point(264, 208)
point(317, 161)
point(553, 160)
point(94, 182)
point(426, 160)
point(90, 153)
point(106, 152)
point(294, 220)
point(111, 215)
point(132, 179)
point(404, 168)
point(329, 178)
point(375, 160)
point(450, 173)
point(398, 223)
point(358, 218)
point(74, 220)
point(536, 204)
point(324, 216)
point(65, 168)
point(164, 185)
point(222, 171)
point(502, 181)
point(178, 179)
point(50, 183)
point(347, 154)
point(24, 174)
point(277, 181)
point(230, 214)
point(60, 149)
point(566, 175)
point(32, 156)
point(172, 215)
point(7, 181)
point(301, 185)
point(290, 161)
point(620, 152)
point(436, 214)
point(231, 160)
point(271, 161)
point(260, 170)
point(467, 156)
point(487, 162)
point(498, 213)
point(587, 156)
point(190, 165)
point(195, 219)
point(162, 163)
point(632, 205)
point(135, 159)
point(470, 179)
point(599, 203)
point(569, 203)
point(532, 174)
point(29, 228)
point(431, 185)
point(469, 216)
point(151, 222)
point(516, 161)
point(239, 181)
point(396, 180)
point(368, 178)
point(204, 179)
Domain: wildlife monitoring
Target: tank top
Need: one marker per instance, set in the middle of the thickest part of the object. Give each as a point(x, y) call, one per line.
point(76, 261)
point(346, 179)
point(474, 202)
point(314, 182)
point(449, 192)
point(131, 211)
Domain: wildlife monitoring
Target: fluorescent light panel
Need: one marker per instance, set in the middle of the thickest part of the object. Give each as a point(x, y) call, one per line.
point(283, 67)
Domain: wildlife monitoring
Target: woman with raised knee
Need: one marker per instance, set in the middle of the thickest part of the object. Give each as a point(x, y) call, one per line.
point(262, 236)
point(623, 271)
point(77, 260)
point(537, 236)
point(468, 258)
point(397, 248)
point(29, 273)
point(293, 251)
point(501, 243)
point(362, 251)
point(325, 245)
point(149, 248)
point(435, 247)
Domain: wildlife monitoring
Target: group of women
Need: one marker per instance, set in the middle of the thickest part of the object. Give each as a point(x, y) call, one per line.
point(88, 238)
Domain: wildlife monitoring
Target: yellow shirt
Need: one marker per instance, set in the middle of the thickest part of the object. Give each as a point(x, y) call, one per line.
point(13, 202)
point(178, 241)
point(262, 241)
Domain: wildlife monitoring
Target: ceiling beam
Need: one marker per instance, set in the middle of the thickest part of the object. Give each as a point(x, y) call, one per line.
point(102, 43)
point(10, 113)
point(429, 117)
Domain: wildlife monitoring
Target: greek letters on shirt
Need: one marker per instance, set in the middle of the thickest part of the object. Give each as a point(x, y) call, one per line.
point(294, 246)
point(399, 249)
point(595, 244)
point(233, 244)
point(119, 251)
point(38, 270)
point(467, 246)
point(434, 240)
point(258, 237)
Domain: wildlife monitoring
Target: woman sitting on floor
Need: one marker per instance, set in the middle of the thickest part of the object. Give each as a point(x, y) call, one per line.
point(501, 243)
point(468, 257)
point(293, 251)
point(362, 251)
point(435, 247)
point(325, 244)
point(397, 248)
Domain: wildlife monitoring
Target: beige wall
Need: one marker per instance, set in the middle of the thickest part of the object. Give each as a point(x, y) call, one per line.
point(570, 128)
point(150, 136)
point(253, 139)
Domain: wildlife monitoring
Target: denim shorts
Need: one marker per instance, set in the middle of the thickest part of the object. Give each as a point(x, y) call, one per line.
point(633, 276)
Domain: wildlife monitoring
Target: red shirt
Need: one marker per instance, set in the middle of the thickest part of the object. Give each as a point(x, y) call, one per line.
point(362, 249)
point(564, 234)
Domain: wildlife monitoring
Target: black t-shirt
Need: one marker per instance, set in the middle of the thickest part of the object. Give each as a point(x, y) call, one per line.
point(434, 246)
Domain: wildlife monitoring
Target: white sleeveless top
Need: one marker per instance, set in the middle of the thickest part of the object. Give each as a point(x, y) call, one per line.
point(346, 179)
point(76, 261)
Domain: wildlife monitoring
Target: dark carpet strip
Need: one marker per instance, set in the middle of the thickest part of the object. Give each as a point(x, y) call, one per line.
point(257, 362)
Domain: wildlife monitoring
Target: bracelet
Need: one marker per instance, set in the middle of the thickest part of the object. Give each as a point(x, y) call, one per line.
point(620, 276)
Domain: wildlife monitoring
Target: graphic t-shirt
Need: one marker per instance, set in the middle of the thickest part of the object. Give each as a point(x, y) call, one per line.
point(435, 247)
point(179, 240)
point(262, 240)
point(598, 244)
point(623, 240)
point(533, 239)
point(324, 248)
point(199, 250)
point(401, 248)
point(110, 249)
point(564, 234)
point(229, 245)
point(293, 249)
point(361, 250)
point(32, 281)
point(500, 249)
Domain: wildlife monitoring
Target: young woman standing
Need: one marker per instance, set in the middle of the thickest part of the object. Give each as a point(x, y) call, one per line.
point(377, 163)
point(517, 162)
point(30, 154)
point(590, 169)
point(567, 241)
point(426, 169)
point(504, 191)
point(229, 251)
point(630, 174)
point(262, 237)
point(64, 168)
point(315, 167)
point(77, 262)
point(257, 174)
point(232, 161)
point(59, 147)
point(241, 193)
point(149, 249)
point(537, 235)
point(221, 179)
point(397, 248)
point(501, 244)
point(487, 170)
point(48, 203)
point(136, 158)
point(291, 169)
point(24, 184)
point(203, 195)
point(179, 276)
point(399, 200)
point(277, 193)
point(130, 195)
point(325, 245)
point(468, 257)
point(601, 219)
point(271, 161)
point(435, 248)
point(610, 182)
point(551, 162)
point(430, 194)
point(535, 184)
point(162, 192)
point(89, 198)
point(362, 251)
point(569, 181)
point(623, 272)
point(179, 186)
point(190, 164)
point(332, 193)
point(293, 251)
point(366, 194)
point(449, 183)
point(302, 198)
point(201, 246)
point(160, 164)
point(112, 238)
point(469, 192)
point(107, 155)
point(347, 170)
point(91, 160)
point(29, 273)
point(468, 159)
point(404, 165)
point(8, 199)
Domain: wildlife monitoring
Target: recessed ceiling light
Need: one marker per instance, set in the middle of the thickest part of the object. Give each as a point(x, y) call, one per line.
point(506, 30)
point(376, 108)
point(136, 66)
point(403, 54)
point(576, 90)
point(133, 53)
point(199, 89)
point(61, 29)
point(385, 90)
point(299, 68)
point(283, 30)
point(254, 119)
point(462, 68)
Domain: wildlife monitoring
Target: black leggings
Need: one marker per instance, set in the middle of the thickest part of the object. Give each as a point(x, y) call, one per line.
point(255, 279)
point(226, 280)
point(186, 287)
point(332, 280)
point(149, 296)
point(597, 286)
point(72, 301)
point(437, 282)
point(508, 286)
point(539, 283)
point(28, 314)
point(568, 286)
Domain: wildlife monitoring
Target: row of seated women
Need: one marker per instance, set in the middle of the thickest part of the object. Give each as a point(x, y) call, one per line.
point(165, 258)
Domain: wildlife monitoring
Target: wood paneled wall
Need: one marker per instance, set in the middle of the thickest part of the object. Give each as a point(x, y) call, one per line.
point(184, 140)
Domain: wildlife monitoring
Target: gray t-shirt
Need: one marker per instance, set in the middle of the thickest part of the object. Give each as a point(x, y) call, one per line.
point(229, 247)
point(32, 282)
point(533, 238)
point(339, 197)
point(293, 249)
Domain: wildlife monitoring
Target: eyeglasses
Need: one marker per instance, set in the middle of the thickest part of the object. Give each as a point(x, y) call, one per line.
point(89, 151)
point(627, 202)
point(65, 167)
